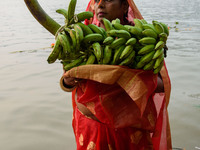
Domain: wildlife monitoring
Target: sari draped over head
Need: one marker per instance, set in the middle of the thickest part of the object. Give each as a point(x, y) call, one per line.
point(133, 12)
point(131, 116)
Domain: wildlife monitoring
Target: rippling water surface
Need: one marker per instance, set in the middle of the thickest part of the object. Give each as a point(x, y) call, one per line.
point(36, 114)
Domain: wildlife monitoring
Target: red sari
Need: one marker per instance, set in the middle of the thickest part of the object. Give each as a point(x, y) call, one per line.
point(131, 116)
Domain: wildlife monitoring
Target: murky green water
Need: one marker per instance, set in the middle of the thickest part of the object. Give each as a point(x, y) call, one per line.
point(36, 114)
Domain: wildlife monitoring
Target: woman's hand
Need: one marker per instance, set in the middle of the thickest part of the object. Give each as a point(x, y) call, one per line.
point(71, 81)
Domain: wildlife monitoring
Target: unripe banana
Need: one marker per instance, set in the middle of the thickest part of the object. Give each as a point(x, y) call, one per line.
point(117, 20)
point(107, 54)
point(118, 42)
point(159, 45)
point(74, 63)
point(149, 26)
point(79, 31)
point(94, 37)
point(97, 51)
point(149, 66)
point(91, 59)
point(55, 52)
point(71, 57)
point(61, 55)
point(146, 49)
point(144, 22)
point(157, 70)
point(96, 29)
point(65, 42)
point(147, 40)
point(126, 52)
point(134, 30)
point(108, 40)
point(107, 24)
point(165, 27)
point(85, 28)
point(119, 26)
point(72, 35)
point(150, 33)
point(131, 41)
point(159, 28)
point(63, 12)
point(163, 37)
point(138, 23)
point(158, 53)
point(119, 33)
point(117, 54)
point(79, 36)
point(129, 59)
point(82, 16)
point(145, 59)
point(71, 9)
point(104, 32)
point(158, 61)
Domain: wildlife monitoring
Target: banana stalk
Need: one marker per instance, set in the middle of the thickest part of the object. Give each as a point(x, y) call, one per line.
point(42, 17)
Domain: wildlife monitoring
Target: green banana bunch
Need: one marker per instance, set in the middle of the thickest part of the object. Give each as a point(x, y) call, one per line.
point(138, 47)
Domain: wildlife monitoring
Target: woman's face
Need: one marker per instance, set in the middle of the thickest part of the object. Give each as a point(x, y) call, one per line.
point(110, 9)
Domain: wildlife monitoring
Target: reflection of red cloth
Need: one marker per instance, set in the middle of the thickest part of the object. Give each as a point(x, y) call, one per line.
point(131, 115)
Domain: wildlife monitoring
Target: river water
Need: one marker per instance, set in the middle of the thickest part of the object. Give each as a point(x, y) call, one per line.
point(36, 114)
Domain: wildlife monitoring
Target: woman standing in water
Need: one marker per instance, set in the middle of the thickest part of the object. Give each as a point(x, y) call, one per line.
point(117, 108)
